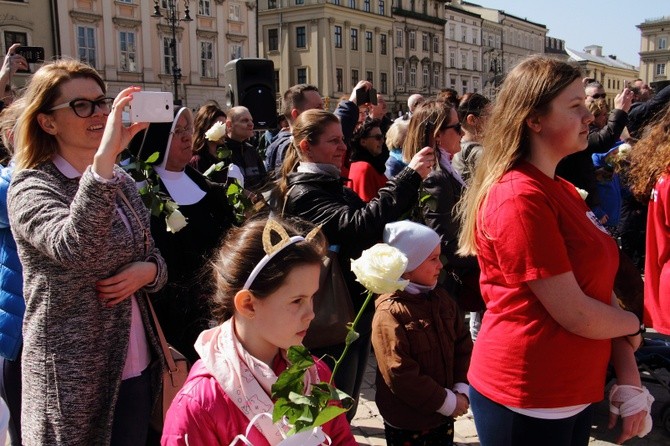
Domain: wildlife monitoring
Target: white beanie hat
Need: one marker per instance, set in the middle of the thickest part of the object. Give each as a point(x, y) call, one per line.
point(414, 240)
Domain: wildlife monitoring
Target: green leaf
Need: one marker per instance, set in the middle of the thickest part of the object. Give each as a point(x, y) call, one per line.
point(351, 336)
point(152, 158)
point(327, 414)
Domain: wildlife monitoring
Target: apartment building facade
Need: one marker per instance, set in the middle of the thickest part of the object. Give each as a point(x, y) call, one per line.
point(654, 50)
point(128, 45)
point(463, 55)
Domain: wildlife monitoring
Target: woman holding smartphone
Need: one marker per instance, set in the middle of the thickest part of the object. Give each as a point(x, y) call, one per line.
point(87, 255)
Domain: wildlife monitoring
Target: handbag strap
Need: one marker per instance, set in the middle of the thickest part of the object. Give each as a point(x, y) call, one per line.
point(288, 192)
point(172, 367)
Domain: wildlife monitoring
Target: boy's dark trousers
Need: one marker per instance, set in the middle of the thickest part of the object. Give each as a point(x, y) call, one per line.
point(440, 436)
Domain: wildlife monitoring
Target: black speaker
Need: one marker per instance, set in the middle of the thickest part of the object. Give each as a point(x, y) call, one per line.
point(250, 83)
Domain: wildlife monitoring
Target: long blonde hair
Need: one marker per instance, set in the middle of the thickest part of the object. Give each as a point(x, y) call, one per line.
point(32, 144)
point(529, 88)
point(437, 112)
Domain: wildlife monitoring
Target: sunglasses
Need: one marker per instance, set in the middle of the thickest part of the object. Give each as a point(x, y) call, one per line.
point(456, 127)
point(598, 96)
point(180, 132)
point(378, 137)
point(85, 108)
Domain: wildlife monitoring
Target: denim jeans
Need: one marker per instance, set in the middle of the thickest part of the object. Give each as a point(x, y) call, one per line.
point(499, 426)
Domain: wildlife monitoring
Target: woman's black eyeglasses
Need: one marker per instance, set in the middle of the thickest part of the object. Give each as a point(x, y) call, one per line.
point(456, 127)
point(85, 108)
point(599, 96)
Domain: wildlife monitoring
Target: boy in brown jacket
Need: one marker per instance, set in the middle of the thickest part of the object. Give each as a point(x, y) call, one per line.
point(422, 347)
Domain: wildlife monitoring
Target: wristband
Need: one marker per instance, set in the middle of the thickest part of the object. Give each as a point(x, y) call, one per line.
point(642, 329)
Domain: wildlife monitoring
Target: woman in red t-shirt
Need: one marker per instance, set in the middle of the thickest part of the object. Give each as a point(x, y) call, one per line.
point(548, 266)
point(650, 182)
point(368, 160)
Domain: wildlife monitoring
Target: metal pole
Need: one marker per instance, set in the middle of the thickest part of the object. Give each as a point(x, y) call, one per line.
point(175, 67)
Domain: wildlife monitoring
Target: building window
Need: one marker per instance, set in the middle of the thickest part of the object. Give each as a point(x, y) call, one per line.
point(368, 41)
point(426, 76)
point(86, 47)
point(366, 5)
point(204, 7)
point(336, 2)
point(127, 60)
point(352, 4)
point(354, 39)
point(12, 37)
point(235, 51)
point(383, 83)
point(465, 86)
point(464, 34)
point(302, 76)
point(381, 7)
point(474, 63)
point(234, 12)
point(382, 43)
point(276, 79)
point(436, 76)
point(662, 43)
point(452, 32)
point(273, 39)
point(464, 60)
point(354, 78)
point(412, 40)
point(436, 44)
point(424, 42)
point(399, 75)
point(299, 2)
point(339, 79)
point(300, 37)
point(398, 38)
point(660, 69)
point(369, 77)
point(338, 36)
point(207, 59)
point(272, 4)
point(474, 36)
point(412, 76)
point(168, 60)
point(452, 58)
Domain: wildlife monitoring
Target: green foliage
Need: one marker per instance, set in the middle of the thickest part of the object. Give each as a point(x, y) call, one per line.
point(305, 411)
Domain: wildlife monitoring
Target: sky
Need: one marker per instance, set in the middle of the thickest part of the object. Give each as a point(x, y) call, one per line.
point(610, 24)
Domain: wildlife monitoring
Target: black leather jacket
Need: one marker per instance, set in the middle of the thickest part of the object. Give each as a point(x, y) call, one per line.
point(347, 220)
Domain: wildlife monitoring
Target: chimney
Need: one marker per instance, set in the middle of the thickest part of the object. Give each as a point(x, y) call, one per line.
point(595, 50)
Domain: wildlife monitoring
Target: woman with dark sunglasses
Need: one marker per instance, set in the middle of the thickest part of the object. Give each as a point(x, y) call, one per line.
point(83, 237)
point(368, 160)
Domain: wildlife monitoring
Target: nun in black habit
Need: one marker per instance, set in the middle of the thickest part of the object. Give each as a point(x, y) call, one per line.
point(183, 305)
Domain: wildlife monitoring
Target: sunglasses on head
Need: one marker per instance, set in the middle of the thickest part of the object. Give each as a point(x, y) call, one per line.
point(599, 96)
point(85, 108)
point(456, 127)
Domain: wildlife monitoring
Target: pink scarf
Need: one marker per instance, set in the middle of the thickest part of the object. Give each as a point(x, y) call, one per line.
point(245, 379)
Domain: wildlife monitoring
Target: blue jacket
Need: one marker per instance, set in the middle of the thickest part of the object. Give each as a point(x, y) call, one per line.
point(12, 305)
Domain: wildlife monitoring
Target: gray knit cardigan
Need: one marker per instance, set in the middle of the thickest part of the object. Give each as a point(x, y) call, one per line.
point(69, 236)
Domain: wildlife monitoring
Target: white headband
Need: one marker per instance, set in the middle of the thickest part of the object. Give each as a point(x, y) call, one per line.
point(265, 260)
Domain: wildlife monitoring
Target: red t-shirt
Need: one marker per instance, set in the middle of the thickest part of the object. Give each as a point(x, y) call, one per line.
point(534, 227)
point(365, 180)
point(657, 262)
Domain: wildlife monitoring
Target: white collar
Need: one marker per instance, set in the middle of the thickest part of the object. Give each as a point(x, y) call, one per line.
point(65, 167)
point(180, 186)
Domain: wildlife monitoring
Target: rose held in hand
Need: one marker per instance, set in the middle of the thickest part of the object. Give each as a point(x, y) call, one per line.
point(175, 221)
point(216, 131)
point(379, 269)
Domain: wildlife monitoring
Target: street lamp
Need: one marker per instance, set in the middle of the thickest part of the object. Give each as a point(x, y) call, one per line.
point(173, 20)
point(495, 68)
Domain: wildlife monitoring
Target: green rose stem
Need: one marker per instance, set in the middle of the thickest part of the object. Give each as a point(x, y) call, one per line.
point(352, 335)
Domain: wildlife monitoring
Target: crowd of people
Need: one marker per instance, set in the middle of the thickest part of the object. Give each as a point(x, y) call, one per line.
point(501, 210)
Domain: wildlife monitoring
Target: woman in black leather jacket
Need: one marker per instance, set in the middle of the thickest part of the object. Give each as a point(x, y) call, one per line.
point(311, 188)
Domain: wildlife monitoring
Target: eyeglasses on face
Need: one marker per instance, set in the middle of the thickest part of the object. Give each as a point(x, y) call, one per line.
point(85, 108)
point(456, 127)
point(182, 131)
point(598, 96)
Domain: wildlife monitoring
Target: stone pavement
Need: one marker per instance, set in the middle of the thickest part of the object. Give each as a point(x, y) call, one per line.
point(368, 428)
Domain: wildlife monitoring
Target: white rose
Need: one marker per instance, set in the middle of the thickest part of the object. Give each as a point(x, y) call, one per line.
point(216, 132)
point(175, 221)
point(582, 193)
point(379, 269)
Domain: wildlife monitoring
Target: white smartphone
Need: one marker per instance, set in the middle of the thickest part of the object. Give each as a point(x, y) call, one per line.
point(151, 106)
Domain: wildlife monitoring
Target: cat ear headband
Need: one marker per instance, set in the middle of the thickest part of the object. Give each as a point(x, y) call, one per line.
point(272, 250)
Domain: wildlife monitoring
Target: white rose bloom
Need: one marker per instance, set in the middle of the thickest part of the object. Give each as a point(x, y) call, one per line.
point(582, 193)
point(379, 269)
point(216, 131)
point(175, 221)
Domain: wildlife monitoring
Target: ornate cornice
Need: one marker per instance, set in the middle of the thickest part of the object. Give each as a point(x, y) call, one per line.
point(206, 34)
point(126, 23)
point(85, 17)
